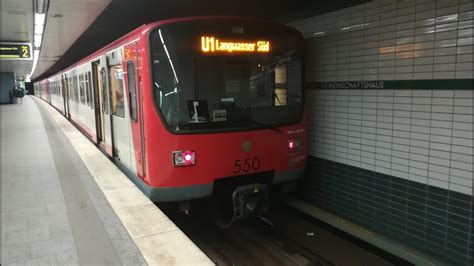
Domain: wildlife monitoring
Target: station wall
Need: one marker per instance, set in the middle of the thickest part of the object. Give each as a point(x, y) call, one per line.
point(390, 91)
point(7, 82)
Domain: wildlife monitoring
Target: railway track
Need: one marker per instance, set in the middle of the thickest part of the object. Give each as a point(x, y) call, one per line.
point(282, 237)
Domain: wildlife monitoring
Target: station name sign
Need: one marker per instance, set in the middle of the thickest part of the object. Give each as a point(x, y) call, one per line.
point(15, 51)
point(348, 85)
point(353, 85)
point(211, 44)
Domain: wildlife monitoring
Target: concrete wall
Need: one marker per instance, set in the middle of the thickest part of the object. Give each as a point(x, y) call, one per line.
point(7, 82)
point(390, 90)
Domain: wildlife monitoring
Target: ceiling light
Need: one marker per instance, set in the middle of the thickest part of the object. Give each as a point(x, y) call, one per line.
point(39, 18)
point(35, 63)
point(41, 6)
point(39, 29)
point(38, 39)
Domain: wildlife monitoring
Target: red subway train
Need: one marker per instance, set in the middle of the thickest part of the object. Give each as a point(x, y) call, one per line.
point(194, 107)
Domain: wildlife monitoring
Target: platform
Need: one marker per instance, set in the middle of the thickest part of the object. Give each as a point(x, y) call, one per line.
point(64, 202)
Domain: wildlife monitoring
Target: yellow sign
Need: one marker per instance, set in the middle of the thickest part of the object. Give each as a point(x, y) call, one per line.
point(211, 44)
point(16, 51)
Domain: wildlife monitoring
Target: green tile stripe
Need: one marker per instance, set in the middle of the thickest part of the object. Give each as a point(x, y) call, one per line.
point(439, 84)
point(430, 219)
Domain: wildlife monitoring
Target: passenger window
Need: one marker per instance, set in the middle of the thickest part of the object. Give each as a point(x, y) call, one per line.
point(281, 85)
point(132, 90)
point(116, 89)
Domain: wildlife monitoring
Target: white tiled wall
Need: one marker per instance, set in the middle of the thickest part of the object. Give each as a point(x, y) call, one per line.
point(420, 135)
point(392, 40)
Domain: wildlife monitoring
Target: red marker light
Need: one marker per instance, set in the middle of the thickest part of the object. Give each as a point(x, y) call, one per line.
point(291, 144)
point(294, 145)
point(184, 158)
point(188, 157)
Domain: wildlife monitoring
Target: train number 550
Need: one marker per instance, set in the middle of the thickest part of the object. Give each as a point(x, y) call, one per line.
point(246, 165)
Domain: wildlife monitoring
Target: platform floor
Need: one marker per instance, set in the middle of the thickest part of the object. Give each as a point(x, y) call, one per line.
point(64, 202)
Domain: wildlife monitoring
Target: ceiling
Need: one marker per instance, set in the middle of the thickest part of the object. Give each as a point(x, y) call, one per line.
point(16, 26)
point(66, 20)
point(76, 28)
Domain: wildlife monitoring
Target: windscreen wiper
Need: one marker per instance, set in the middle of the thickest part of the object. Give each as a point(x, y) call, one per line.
point(265, 125)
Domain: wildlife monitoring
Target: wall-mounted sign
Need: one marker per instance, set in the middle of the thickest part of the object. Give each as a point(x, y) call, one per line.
point(430, 84)
point(210, 44)
point(15, 51)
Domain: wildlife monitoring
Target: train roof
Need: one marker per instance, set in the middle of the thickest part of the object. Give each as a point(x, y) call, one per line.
point(144, 29)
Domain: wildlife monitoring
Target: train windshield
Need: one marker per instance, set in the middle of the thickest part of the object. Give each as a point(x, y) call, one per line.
point(224, 75)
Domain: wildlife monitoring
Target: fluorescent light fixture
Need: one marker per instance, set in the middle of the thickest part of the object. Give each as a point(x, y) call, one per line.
point(35, 62)
point(38, 39)
point(41, 6)
point(39, 29)
point(39, 18)
point(320, 33)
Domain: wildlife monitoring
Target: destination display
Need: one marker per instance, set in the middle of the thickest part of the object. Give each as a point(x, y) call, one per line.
point(15, 51)
point(211, 44)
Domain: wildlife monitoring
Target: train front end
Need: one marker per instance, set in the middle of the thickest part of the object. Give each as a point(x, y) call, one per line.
point(228, 118)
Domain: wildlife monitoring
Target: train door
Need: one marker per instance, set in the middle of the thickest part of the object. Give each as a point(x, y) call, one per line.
point(130, 64)
point(65, 93)
point(69, 94)
point(121, 134)
point(98, 102)
point(48, 92)
point(104, 124)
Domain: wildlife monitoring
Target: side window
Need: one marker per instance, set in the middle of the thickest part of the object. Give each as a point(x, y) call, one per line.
point(116, 90)
point(166, 81)
point(281, 85)
point(132, 90)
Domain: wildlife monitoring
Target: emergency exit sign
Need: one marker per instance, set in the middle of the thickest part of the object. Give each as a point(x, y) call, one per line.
point(15, 51)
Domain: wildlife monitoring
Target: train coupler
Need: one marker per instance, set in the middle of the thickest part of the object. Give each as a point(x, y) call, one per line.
point(250, 200)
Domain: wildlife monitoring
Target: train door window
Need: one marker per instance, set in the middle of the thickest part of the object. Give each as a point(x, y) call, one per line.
point(103, 82)
point(74, 84)
point(281, 84)
point(82, 92)
point(89, 90)
point(73, 87)
point(86, 90)
point(116, 90)
point(70, 88)
point(132, 90)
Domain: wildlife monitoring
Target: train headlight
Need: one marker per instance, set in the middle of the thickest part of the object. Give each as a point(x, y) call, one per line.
point(184, 158)
point(294, 145)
